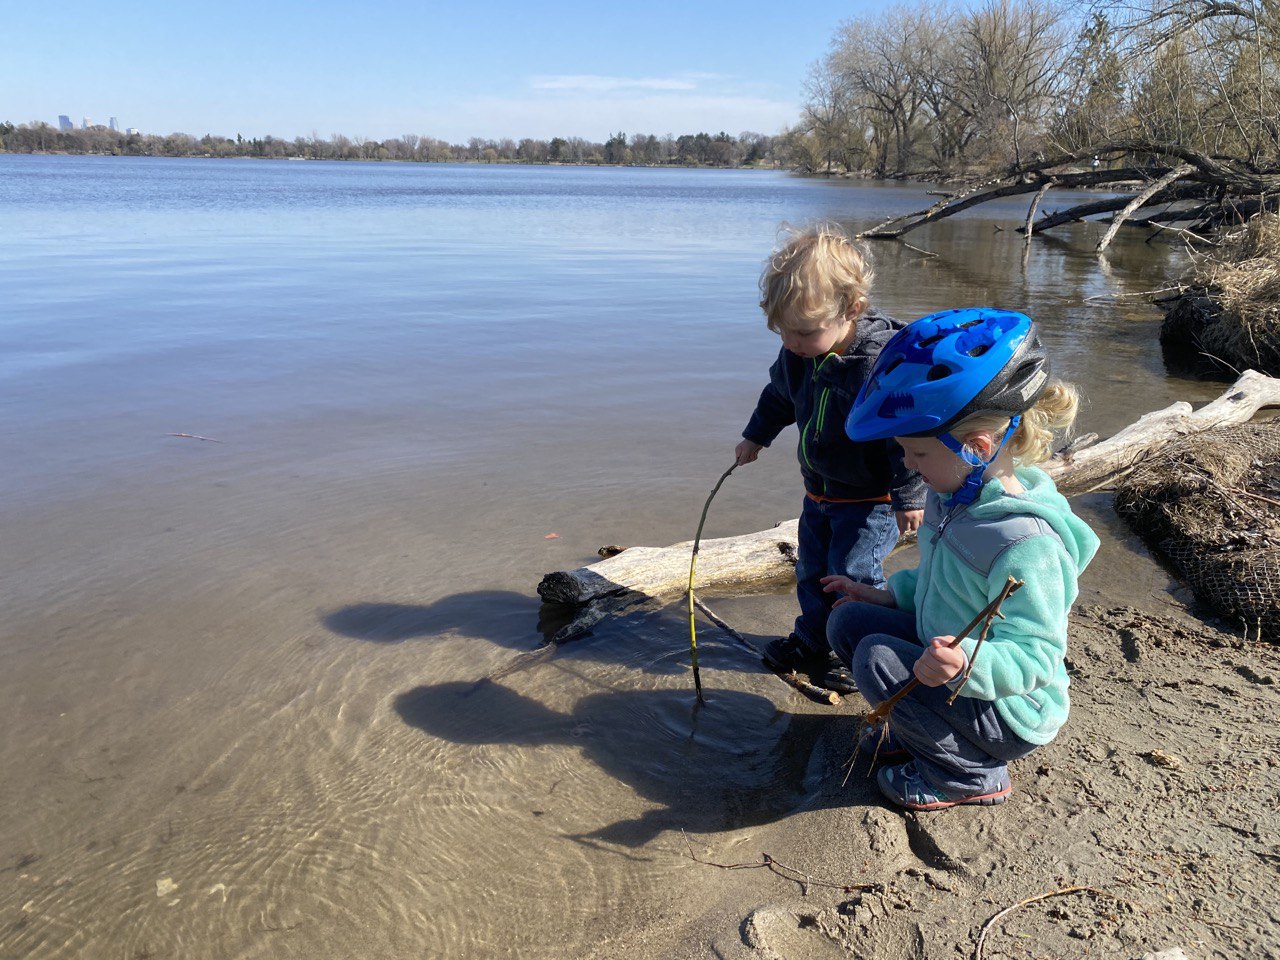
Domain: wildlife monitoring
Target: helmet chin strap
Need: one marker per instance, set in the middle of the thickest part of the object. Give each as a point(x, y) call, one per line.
point(972, 485)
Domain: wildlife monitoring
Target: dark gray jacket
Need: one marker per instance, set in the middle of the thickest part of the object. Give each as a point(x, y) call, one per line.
point(817, 395)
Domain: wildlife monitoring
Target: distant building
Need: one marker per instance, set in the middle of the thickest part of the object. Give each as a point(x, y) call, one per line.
point(85, 123)
point(132, 131)
point(113, 125)
point(64, 122)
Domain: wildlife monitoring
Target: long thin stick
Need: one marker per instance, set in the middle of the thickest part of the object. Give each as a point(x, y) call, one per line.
point(693, 559)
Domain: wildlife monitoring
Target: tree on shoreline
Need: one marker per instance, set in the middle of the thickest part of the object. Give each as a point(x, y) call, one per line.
point(701, 149)
point(964, 89)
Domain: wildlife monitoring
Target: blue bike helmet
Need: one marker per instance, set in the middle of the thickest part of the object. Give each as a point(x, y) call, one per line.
point(945, 367)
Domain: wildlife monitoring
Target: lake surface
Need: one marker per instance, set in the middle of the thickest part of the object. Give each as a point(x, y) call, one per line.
point(239, 700)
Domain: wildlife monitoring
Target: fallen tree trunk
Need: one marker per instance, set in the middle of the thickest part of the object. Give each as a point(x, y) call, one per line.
point(769, 556)
point(1098, 465)
point(1217, 184)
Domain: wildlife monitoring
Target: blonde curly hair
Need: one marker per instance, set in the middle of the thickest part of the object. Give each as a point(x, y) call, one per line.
point(817, 274)
point(1032, 442)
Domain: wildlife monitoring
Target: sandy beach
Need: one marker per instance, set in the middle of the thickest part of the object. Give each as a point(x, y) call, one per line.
point(1148, 825)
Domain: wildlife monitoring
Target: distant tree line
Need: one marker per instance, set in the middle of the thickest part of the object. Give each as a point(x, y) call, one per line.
point(947, 88)
point(927, 88)
point(700, 149)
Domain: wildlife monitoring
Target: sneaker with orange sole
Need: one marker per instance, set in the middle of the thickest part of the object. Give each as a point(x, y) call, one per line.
point(905, 786)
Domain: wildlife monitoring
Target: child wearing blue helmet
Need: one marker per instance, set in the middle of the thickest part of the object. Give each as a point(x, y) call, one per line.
point(858, 495)
point(967, 393)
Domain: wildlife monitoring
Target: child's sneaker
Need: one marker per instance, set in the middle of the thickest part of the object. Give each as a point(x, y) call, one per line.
point(907, 788)
point(834, 675)
point(890, 751)
point(789, 654)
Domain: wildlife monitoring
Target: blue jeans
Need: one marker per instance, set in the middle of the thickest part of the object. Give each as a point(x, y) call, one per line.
point(850, 539)
point(959, 748)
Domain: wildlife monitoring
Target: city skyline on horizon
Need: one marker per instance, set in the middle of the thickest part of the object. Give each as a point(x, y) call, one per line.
point(502, 70)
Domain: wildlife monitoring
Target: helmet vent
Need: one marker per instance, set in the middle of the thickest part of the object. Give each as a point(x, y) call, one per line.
point(979, 349)
point(938, 371)
point(895, 403)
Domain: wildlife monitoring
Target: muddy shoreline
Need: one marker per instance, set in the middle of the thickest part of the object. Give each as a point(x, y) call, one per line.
point(1148, 825)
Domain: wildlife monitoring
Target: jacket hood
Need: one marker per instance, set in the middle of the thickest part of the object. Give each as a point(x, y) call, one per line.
point(874, 330)
point(1040, 499)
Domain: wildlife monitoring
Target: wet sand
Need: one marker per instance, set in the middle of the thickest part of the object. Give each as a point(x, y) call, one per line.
point(1149, 824)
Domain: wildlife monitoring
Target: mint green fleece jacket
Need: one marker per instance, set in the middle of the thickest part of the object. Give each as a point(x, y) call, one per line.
point(1020, 666)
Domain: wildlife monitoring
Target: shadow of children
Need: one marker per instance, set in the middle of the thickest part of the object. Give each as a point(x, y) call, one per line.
point(736, 761)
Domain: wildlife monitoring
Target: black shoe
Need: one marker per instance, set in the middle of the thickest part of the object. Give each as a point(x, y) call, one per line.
point(790, 653)
point(834, 675)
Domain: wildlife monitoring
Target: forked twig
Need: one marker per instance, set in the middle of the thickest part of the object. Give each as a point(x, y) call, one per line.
point(985, 616)
point(787, 873)
point(1010, 586)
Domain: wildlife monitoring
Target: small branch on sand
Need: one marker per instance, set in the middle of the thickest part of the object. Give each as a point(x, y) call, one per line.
point(792, 679)
point(805, 880)
point(982, 937)
point(193, 436)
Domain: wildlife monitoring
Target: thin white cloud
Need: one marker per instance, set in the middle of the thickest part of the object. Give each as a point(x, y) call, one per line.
point(590, 83)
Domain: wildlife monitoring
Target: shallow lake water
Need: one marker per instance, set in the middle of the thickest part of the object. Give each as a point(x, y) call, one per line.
point(240, 703)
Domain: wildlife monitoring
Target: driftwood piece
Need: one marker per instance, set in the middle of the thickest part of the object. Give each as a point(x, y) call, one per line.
point(755, 558)
point(1097, 465)
point(769, 556)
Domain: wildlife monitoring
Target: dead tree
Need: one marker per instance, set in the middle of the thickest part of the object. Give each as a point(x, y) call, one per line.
point(1209, 191)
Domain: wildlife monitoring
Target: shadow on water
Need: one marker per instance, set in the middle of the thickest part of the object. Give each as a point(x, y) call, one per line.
point(735, 762)
point(650, 637)
point(500, 616)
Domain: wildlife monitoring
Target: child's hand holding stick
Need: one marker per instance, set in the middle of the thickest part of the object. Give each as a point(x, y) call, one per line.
point(984, 617)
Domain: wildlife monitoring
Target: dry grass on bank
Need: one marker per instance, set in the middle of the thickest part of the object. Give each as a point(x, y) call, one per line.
point(1243, 277)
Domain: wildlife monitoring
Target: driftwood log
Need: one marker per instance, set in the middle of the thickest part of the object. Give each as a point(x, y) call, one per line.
point(769, 556)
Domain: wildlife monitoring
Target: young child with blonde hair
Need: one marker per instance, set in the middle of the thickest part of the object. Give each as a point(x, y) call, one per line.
point(858, 494)
point(968, 395)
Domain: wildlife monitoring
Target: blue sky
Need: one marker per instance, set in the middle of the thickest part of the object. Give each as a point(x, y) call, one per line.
point(383, 68)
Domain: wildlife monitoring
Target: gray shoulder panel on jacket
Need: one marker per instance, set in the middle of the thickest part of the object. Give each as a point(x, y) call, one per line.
point(981, 542)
